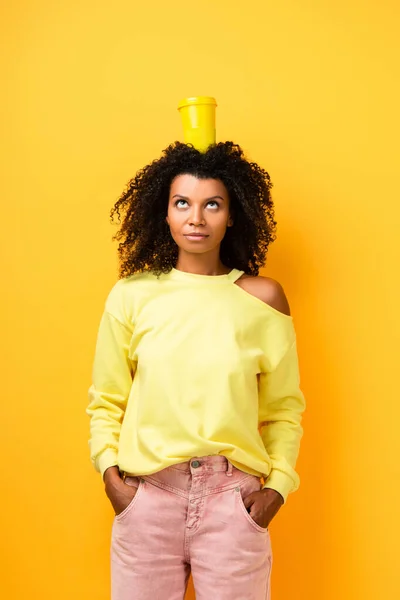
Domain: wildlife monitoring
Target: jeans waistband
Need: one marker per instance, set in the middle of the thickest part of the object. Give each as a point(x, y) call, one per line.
point(205, 464)
point(198, 476)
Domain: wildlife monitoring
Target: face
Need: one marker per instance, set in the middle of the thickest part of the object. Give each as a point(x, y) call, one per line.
point(198, 213)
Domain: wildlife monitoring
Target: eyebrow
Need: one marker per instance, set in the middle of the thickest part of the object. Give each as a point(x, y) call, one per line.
point(207, 199)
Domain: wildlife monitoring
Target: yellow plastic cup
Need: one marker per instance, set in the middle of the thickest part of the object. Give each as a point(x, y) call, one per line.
point(198, 119)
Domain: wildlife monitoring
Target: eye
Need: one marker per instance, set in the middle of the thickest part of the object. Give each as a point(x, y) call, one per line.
point(177, 203)
point(216, 205)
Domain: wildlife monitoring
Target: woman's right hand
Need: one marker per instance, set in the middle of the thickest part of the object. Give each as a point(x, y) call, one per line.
point(119, 493)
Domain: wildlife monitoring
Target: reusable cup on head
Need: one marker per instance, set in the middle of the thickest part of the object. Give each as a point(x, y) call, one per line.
point(198, 119)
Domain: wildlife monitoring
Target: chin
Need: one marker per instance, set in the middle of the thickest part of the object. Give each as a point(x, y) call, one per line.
point(193, 250)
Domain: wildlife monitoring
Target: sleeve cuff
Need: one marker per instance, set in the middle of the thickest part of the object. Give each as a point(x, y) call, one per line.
point(280, 482)
point(106, 459)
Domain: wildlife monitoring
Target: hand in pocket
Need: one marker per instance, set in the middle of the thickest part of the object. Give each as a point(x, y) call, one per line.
point(119, 493)
point(263, 505)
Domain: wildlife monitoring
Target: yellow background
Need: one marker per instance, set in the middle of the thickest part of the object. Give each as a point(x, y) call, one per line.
point(89, 95)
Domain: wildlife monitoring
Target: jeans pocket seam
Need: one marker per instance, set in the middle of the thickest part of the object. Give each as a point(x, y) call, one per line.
point(243, 509)
point(131, 504)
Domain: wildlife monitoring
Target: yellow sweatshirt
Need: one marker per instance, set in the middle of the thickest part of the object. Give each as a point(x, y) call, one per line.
point(190, 365)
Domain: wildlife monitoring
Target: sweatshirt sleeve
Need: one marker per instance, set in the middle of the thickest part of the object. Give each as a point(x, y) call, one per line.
point(281, 406)
point(108, 395)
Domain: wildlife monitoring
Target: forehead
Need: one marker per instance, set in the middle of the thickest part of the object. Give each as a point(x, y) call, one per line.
point(192, 187)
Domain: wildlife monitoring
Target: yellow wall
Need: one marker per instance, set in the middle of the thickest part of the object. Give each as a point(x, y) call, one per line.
point(89, 94)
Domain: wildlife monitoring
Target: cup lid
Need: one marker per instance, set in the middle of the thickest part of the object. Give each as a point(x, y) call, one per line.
point(196, 100)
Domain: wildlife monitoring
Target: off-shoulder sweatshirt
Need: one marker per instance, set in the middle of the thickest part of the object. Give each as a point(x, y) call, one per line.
point(190, 365)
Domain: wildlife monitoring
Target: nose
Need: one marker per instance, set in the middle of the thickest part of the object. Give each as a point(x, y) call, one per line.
point(196, 217)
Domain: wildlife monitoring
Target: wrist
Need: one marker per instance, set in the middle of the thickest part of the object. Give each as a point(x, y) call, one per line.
point(111, 476)
point(274, 494)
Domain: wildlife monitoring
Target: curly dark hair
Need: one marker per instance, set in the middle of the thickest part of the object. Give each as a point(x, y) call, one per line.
point(145, 239)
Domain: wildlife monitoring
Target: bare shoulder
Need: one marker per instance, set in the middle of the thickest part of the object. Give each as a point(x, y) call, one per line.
point(266, 289)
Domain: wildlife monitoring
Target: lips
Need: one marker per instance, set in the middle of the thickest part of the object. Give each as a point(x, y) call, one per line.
point(196, 235)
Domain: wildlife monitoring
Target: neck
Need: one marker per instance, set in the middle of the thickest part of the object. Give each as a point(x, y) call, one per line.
point(201, 264)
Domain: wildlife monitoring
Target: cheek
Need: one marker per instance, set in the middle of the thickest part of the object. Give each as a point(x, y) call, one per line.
point(169, 218)
point(221, 225)
point(173, 221)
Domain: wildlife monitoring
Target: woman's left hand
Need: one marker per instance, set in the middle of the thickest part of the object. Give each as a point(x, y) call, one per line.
point(263, 506)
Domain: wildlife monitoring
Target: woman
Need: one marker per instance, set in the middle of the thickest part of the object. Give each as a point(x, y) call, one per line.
point(195, 395)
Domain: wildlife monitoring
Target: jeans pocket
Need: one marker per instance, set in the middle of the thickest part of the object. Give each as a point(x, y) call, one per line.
point(137, 483)
point(249, 485)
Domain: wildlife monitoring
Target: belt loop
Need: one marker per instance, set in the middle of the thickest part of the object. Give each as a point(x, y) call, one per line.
point(229, 469)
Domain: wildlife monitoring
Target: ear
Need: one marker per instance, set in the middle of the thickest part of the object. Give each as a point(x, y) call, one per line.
point(167, 220)
point(230, 221)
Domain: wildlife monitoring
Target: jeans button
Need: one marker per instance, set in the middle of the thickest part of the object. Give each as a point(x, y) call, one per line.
point(195, 464)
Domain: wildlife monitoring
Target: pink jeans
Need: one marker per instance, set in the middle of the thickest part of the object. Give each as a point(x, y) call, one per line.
point(191, 518)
